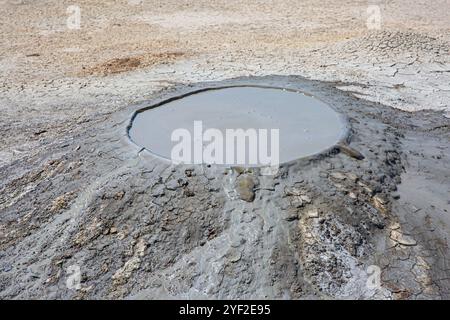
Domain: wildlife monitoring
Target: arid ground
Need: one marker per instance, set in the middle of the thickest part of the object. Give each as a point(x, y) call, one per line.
point(84, 214)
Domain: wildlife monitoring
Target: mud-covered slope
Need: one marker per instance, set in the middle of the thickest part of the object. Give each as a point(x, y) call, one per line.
point(137, 227)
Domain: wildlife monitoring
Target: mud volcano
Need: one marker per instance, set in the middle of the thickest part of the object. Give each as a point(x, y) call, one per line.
point(306, 125)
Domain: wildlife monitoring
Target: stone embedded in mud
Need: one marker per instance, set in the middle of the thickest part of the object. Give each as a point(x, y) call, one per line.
point(245, 187)
point(345, 149)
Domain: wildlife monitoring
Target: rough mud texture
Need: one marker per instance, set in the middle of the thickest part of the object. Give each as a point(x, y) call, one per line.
point(75, 192)
point(139, 227)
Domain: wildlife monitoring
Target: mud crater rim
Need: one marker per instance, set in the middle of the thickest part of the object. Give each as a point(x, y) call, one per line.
point(342, 136)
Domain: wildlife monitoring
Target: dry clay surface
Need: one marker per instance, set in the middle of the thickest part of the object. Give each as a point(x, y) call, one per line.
point(73, 192)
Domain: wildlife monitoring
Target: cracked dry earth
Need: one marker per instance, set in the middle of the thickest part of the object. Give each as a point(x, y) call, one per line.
point(75, 192)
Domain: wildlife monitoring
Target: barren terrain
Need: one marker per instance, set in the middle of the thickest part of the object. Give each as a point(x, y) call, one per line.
point(75, 192)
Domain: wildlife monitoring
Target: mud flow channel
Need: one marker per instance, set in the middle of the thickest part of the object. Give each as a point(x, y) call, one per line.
point(299, 124)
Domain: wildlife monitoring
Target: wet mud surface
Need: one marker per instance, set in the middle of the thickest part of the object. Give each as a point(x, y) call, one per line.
point(304, 125)
point(138, 227)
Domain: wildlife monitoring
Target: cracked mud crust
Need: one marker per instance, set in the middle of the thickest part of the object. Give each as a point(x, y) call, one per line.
point(139, 227)
point(74, 192)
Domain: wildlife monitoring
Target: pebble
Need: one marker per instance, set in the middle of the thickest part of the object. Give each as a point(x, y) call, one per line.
point(245, 187)
point(345, 149)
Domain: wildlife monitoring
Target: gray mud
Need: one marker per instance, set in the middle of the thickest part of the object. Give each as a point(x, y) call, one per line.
point(139, 227)
point(306, 126)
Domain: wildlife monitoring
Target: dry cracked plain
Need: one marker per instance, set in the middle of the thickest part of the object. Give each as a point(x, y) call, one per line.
point(75, 193)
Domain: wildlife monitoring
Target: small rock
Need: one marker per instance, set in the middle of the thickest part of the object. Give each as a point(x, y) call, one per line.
point(245, 187)
point(345, 149)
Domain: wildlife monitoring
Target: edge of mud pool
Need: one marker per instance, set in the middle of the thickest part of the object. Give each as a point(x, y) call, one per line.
point(180, 93)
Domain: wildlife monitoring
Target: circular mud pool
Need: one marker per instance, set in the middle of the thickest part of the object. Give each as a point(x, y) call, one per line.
point(277, 125)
